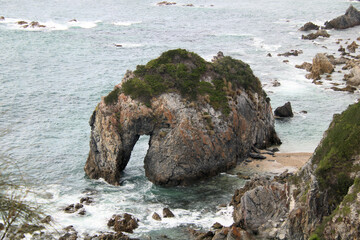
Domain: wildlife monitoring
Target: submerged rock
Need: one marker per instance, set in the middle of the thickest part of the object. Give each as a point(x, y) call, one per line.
point(202, 119)
point(352, 47)
point(284, 111)
point(350, 19)
point(319, 33)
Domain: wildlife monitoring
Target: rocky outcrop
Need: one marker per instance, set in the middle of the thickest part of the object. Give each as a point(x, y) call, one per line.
point(309, 26)
point(354, 77)
point(320, 65)
point(202, 119)
point(284, 111)
point(123, 223)
point(319, 33)
point(321, 201)
point(350, 19)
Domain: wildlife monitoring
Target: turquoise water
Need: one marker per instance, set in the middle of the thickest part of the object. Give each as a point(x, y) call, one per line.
point(52, 79)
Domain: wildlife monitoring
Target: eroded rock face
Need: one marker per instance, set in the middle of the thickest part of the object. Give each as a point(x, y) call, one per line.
point(321, 201)
point(189, 140)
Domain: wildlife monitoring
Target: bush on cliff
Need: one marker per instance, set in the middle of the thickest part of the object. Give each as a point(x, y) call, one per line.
point(181, 71)
point(335, 156)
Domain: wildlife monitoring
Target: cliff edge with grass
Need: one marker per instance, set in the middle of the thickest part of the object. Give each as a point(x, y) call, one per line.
point(321, 201)
point(202, 119)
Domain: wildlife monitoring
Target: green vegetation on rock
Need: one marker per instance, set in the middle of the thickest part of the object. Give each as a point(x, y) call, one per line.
point(185, 72)
point(335, 156)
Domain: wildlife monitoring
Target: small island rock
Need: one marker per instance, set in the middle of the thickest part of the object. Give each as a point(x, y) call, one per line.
point(284, 111)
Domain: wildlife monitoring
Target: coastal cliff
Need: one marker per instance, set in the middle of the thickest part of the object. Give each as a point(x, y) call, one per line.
point(321, 201)
point(202, 118)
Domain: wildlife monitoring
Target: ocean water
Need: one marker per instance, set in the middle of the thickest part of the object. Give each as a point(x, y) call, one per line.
point(52, 78)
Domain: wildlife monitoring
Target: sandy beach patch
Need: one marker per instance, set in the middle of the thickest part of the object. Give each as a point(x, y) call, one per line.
point(273, 165)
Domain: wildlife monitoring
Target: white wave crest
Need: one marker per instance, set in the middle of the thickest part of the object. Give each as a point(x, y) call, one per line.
point(126, 23)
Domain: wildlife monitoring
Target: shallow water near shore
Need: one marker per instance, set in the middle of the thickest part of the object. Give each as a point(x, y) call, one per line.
point(52, 79)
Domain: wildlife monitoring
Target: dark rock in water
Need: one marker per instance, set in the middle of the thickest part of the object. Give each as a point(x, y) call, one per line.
point(344, 89)
point(166, 3)
point(86, 200)
point(352, 47)
point(123, 223)
point(309, 26)
point(350, 19)
point(70, 209)
point(319, 33)
point(78, 206)
point(205, 236)
point(269, 55)
point(156, 216)
point(183, 117)
point(71, 233)
point(2, 18)
point(276, 83)
point(284, 111)
point(167, 213)
point(82, 212)
point(73, 20)
point(111, 236)
point(22, 22)
point(291, 53)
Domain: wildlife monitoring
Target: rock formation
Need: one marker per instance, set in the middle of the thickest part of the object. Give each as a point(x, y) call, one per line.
point(309, 26)
point(202, 119)
point(320, 65)
point(319, 33)
point(320, 202)
point(284, 111)
point(350, 19)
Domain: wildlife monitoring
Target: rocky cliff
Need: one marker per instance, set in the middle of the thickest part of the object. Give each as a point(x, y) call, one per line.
point(321, 201)
point(202, 119)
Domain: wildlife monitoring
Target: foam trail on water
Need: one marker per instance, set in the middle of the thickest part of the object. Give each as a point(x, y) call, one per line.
point(126, 23)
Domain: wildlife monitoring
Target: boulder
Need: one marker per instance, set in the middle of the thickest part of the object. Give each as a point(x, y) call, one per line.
point(284, 111)
point(123, 223)
point(350, 19)
point(202, 120)
point(352, 47)
point(354, 78)
point(309, 26)
point(319, 33)
point(321, 65)
point(167, 213)
point(156, 217)
point(86, 200)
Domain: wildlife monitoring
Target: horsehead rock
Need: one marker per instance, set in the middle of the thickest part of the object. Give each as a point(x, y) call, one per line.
point(202, 119)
